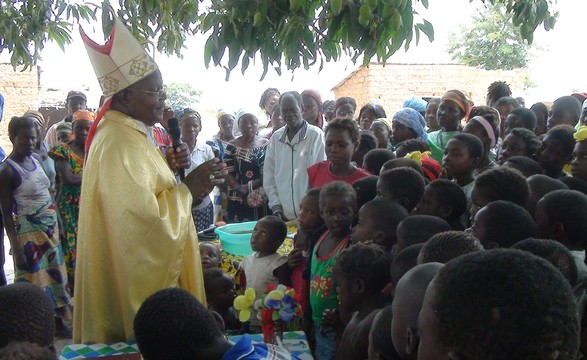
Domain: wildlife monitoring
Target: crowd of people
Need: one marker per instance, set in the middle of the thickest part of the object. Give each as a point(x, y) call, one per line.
point(446, 230)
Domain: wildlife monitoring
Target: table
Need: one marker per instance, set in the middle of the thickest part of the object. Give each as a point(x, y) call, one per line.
point(294, 341)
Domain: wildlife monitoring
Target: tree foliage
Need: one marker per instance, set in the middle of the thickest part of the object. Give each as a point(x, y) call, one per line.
point(281, 33)
point(490, 42)
point(182, 95)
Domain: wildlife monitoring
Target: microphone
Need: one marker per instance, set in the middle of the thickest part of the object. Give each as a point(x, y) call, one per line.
point(175, 134)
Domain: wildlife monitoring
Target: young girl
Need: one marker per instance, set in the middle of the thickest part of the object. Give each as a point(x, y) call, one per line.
point(557, 150)
point(454, 106)
point(30, 219)
point(486, 128)
point(220, 295)
point(342, 139)
point(310, 227)
point(200, 152)
point(519, 142)
point(312, 110)
point(369, 113)
point(345, 108)
point(337, 209)
point(461, 157)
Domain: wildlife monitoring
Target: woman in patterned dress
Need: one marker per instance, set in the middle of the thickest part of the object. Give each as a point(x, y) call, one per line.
point(69, 159)
point(244, 157)
point(30, 219)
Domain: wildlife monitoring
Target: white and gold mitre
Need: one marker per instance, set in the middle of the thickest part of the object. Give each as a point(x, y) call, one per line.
point(121, 61)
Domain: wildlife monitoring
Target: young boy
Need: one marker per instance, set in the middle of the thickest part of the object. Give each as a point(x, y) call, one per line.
point(417, 229)
point(446, 246)
point(378, 220)
point(210, 255)
point(525, 165)
point(461, 157)
point(489, 305)
point(264, 267)
point(407, 303)
point(501, 183)
point(402, 185)
point(173, 324)
point(337, 209)
point(361, 273)
point(366, 189)
point(444, 199)
point(557, 150)
point(539, 186)
point(220, 295)
point(375, 159)
point(565, 111)
point(380, 348)
point(502, 224)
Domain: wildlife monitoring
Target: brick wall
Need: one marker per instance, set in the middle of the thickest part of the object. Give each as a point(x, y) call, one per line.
point(21, 93)
point(391, 84)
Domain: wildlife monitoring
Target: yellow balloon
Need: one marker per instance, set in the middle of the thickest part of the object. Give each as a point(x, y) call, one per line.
point(240, 303)
point(250, 296)
point(244, 315)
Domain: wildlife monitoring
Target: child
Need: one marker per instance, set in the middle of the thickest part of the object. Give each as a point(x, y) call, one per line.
point(505, 106)
point(401, 162)
point(26, 314)
point(486, 128)
point(496, 91)
point(310, 227)
point(220, 295)
point(264, 266)
point(553, 252)
point(520, 118)
point(173, 324)
point(565, 111)
point(417, 229)
point(461, 157)
point(430, 116)
point(539, 186)
point(502, 224)
point(453, 107)
point(210, 255)
point(366, 189)
point(407, 303)
point(367, 142)
point(444, 199)
point(527, 166)
point(345, 108)
point(489, 305)
point(361, 273)
point(557, 150)
point(579, 159)
point(402, 185)
point(378, 220)
point(519, 142)
point(411, 145)
point(374, 160)
point(369, 113)
point(337, 209)
point(341, 141)
point(380, 348)
point(499, 184)
point(448, 245)
point(541, 112)
point(574, 183)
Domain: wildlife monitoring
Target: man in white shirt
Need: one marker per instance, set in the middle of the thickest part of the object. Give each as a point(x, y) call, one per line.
point(76, 100)
point(291, 150)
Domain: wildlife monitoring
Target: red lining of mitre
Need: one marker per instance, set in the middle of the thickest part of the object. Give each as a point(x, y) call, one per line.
point(104, 49)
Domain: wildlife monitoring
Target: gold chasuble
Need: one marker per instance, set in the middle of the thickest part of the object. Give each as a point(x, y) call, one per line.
point(136, 234)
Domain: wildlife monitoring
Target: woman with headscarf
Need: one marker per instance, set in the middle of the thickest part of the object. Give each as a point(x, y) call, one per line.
point(381, 128)
point(269, 98)
point(225, 133)
point(408, 124)
point(244, 158)
point(69, 161)
point(190, 123)
point(454, 106)
point(312, 109)
point(417, 104)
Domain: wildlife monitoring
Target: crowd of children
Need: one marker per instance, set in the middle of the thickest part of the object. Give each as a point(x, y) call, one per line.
point(458, 233)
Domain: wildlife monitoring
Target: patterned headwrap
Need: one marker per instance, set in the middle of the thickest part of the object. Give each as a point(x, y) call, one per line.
point(82, 115)
point(459, 98)
point(314, 94)
point(36, 115)
point(581, 134)
point(64, 128)
point(413, 120)
point(187, 113)
point(386, 122)
point(244, 111)
point(415, 103)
